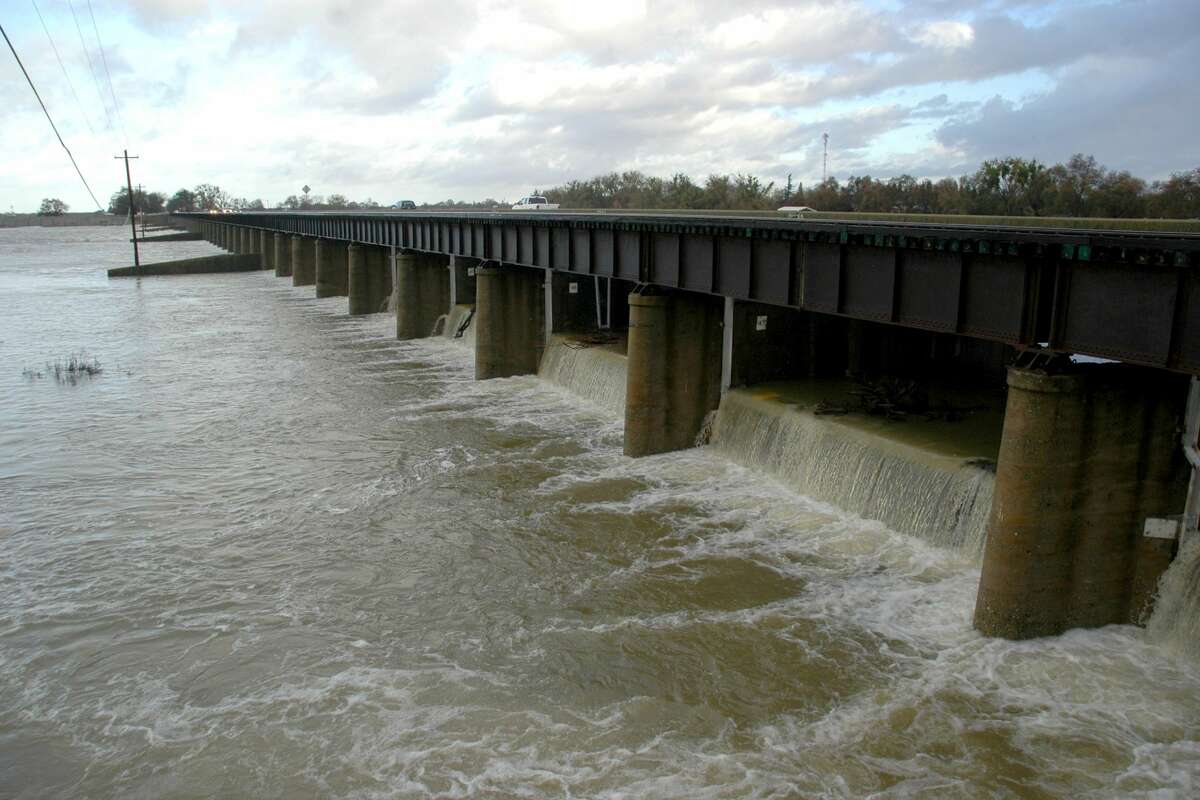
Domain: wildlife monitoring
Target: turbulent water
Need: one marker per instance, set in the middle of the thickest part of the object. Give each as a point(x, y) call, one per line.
point(270, 551)
point(945, 504)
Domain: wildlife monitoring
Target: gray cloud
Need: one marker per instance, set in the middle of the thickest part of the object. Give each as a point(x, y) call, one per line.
point(474, 97)
point(1129, 115)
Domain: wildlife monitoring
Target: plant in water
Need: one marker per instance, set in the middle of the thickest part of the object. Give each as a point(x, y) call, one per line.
point(71, 369)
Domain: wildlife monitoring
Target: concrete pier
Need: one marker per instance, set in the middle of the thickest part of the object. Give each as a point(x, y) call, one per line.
point(359, 281)
point(674, 370)
point(379, 277)
point(423, 295)
point(282, 248)
point(304, 263)
point(1085, 458)
point(266, 248)
point(332, 265)
point(509, 321)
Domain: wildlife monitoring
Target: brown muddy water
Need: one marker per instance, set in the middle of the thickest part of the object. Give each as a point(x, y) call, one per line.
point(272, 552)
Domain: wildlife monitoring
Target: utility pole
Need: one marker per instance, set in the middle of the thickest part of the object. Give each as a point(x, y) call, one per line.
point(137, 264)
point(825, 157)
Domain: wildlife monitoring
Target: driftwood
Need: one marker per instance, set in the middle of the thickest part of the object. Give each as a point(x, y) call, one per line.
point(895, 399)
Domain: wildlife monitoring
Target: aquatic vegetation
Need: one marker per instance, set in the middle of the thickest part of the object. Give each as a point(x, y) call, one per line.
point(71, 369)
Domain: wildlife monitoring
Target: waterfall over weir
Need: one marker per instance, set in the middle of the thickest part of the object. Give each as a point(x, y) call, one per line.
point(595, 373)
point(933, 493)
point(1175, 622)
point(459, 324)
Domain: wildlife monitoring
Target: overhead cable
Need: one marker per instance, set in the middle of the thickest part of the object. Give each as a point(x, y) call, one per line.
point(63, 67)
point(107, 74)
point(50, 119)
point(91, 65)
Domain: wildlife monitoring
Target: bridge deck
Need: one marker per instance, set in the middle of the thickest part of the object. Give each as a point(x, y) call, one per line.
point(1129, 295)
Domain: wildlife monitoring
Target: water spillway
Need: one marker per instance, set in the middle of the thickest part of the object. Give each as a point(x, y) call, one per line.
point(591, 369)
point(919, 478)
point(929, 479)
point(1176, 618)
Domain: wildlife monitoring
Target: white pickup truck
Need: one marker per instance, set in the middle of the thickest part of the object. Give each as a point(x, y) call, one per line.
point(534, 203)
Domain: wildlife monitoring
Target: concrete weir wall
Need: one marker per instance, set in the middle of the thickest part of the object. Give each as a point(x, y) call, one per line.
point(229, 262)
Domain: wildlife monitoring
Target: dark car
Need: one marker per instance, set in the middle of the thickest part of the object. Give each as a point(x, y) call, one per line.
point(404, 204)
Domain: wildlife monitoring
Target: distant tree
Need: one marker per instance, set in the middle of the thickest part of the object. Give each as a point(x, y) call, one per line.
point(144, 202)
point(209, 197)
point(1010, 186)
point(1079, 179)
point(1178, 197)
point(254, 205)
point(183, 200)
point(291, 202)
point(151, 202)
point(826, 196)
point(1120, 195)
point(337, 201)
point(53, 207)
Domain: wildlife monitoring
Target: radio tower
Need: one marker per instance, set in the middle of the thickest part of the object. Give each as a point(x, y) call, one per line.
point(825, 157)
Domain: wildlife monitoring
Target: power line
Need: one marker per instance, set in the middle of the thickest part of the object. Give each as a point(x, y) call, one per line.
point(49, 118)
point(63, 67)
point(91, 65)
point(107, 74)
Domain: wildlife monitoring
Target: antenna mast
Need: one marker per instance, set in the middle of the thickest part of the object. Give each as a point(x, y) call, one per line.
point(825, 157)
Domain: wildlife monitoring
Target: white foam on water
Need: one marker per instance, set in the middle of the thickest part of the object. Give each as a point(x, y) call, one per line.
point(946, 505)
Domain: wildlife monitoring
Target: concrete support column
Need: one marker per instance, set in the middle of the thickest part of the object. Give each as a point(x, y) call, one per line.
point(281, 246)
point(360, 284)
point(244, 247)
point(422, 295)
point(266, 247)
point(332, 276)
point(1085, 458)
point(509, 321)
point(379, 277)
point(224, 241)
point(673, 371)
point(304, 264)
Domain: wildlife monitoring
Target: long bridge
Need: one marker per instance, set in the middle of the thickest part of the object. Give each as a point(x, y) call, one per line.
point(1093, 481)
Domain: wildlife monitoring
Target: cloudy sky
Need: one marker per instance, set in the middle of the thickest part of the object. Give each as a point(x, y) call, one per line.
point(426, 100)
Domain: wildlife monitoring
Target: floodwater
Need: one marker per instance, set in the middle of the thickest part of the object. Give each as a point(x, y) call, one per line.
point(272, 552)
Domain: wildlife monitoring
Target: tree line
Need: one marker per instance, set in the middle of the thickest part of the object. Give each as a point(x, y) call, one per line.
point(1009, 186)
point(1081, 187)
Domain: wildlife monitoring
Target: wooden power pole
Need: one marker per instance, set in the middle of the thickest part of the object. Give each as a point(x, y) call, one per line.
point(137, 264)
